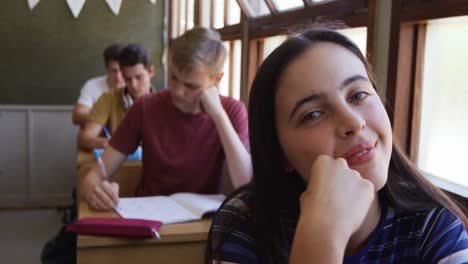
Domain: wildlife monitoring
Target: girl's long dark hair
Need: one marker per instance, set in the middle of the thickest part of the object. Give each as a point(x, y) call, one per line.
point(276, 190)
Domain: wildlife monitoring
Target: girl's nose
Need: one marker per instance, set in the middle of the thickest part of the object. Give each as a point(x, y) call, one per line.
point(350, 122)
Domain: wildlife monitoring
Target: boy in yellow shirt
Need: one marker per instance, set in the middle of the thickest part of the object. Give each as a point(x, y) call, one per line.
point(112, 106)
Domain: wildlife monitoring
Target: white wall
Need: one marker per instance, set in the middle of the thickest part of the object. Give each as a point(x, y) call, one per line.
point(37, 155)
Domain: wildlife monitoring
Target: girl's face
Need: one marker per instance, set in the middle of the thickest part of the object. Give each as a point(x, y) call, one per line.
point(326, 105)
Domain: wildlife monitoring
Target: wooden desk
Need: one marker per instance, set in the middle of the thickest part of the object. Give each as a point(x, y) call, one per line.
point(86, 158)
point(180, 243)
point(127, 176)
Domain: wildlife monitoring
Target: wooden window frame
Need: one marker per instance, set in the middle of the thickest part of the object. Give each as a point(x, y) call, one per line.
point(251, 31)
point(354, 13)
point(405, 66)
point(406, 60)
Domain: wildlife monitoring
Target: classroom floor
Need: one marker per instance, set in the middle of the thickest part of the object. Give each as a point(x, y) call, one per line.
point(24, 232)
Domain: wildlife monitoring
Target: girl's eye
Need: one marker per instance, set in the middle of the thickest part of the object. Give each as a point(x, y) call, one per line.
point(359, 96)
point(311, 116)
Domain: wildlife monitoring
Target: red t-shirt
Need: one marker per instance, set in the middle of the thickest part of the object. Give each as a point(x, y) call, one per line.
point(182, 152)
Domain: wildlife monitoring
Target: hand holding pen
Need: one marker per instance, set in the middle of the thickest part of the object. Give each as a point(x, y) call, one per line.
point(106, 132)
point(104, 195)
point(105, 142)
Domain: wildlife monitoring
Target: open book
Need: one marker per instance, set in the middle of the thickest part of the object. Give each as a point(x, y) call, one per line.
point(179, 207)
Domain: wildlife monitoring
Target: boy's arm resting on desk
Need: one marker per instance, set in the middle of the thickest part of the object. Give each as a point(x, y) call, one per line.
point(237, 157)
point(80, 114)
point(88, 136)
point(100, 193)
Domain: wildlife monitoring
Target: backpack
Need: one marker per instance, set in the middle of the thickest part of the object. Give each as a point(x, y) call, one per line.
point(62, 247)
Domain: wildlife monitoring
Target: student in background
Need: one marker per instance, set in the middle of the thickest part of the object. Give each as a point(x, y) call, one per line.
point(94, 87)
point(111, 107)
point(329, 184)
point(187, 131)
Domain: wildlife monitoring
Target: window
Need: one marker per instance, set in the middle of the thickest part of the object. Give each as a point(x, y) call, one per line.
point(357, 35)
point(444, 110)
point(282, 5)
point(218, 13)
point(224, 84)
point(249, 40)
point(230, 83)
point(271, 43)
point(182, 17)
point(256, 8)
point(225, 13)
point(426, 87)
point(233, 12)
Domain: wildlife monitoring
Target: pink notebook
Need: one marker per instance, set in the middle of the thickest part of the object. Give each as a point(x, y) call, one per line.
point(116, 227)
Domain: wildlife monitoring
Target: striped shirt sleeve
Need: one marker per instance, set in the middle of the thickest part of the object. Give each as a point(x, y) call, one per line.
point(232, 234)
point(444, 240)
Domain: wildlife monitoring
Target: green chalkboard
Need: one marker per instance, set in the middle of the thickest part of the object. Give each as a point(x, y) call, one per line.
point(46, 54)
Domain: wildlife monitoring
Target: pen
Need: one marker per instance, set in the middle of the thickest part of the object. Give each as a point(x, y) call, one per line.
point(155, 232)
point(106, 132)
point(102, 167)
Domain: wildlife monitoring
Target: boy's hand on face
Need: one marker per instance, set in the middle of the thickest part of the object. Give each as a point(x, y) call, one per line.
point(104, 142)
point(210, 101)
point(337, 195)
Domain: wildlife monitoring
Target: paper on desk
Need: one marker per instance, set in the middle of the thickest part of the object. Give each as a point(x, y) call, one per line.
point(159, 208)
point(199, 204)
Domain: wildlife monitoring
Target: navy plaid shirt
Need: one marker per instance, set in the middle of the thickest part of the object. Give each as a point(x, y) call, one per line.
point(435, 236)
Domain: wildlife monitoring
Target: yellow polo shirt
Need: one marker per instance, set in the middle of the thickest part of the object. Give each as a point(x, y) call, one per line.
point(109, 109)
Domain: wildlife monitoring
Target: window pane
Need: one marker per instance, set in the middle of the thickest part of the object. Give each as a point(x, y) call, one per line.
point(444, 110)
point(224, 83)
point(234, 13)
point(257, 7)
point(230, 83)
point(175, 19)
point(271, 44)
point(182, 21)
point(190, 14)
point(358, 36)
point(205, 6)
point(236, 69)
point(218, 15)
point(282, 5)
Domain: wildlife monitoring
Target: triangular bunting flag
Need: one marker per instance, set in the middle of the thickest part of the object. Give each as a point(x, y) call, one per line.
point(153, 1)
point(76, 6)
point(32, 3)
point(114, 5)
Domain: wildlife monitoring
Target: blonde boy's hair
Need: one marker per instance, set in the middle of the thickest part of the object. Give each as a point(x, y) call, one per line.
point(199, 47)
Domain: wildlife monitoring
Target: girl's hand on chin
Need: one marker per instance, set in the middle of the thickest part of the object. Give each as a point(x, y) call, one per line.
point(336, 197)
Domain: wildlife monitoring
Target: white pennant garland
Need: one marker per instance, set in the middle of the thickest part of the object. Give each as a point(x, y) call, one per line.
point(76, 6)
point(114, 5)
point(32, 3)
